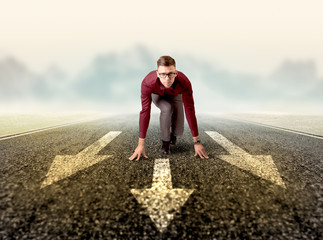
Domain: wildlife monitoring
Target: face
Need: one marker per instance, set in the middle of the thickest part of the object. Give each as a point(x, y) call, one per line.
point(167, 75)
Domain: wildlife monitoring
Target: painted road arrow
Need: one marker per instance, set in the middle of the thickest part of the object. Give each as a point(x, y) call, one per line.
point(260, 165)
point(161, 200)
point(66, 165)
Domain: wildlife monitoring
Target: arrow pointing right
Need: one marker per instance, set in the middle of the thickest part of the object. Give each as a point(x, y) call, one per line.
point(260, 165)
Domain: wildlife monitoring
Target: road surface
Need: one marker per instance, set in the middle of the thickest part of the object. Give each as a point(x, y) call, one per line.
point(76, 182)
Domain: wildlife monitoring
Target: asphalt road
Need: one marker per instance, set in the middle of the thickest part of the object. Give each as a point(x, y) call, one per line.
point(227, 202)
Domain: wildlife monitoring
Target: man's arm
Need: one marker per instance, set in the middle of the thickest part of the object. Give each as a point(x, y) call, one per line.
point(190, 112)
point(144, 119)
point(192, 122)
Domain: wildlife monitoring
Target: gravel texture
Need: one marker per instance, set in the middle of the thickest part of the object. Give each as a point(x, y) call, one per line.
point(97, 203)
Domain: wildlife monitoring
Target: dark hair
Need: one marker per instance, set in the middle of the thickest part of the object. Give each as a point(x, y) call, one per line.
point(166, 61)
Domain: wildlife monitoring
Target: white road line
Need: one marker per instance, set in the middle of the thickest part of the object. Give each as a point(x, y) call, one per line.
point(280, 128)
point(260, 165)
point(5, 137)
point(161, 200)
point(64, 166)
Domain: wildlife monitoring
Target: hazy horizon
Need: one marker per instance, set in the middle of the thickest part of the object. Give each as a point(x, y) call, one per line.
point(249, 56)
point(111, 83)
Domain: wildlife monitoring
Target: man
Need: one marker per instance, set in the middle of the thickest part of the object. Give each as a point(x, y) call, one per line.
point(168, 89)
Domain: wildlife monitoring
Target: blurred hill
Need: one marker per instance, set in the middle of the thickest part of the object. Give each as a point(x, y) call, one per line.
point(15, 79)
point(111, 82)
point(18, 83)
point(115, 77)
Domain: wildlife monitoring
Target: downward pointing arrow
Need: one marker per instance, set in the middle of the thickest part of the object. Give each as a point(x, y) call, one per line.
point(260, 165)
point(66, 165)
point(161, 200)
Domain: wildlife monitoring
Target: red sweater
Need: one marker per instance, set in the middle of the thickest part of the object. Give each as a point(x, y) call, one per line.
point(182, 85)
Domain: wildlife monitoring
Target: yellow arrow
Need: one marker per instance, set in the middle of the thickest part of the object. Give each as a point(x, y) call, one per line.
point(161, 200)
point(66, 165)
point(260, 165)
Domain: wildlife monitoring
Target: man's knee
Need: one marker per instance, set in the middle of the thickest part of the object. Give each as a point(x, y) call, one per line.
point(166, 109)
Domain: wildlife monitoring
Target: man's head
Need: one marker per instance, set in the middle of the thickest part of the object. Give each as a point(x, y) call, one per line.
point(166, 70)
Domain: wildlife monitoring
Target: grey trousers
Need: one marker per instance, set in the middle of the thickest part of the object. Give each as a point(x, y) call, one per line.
point(171, 114)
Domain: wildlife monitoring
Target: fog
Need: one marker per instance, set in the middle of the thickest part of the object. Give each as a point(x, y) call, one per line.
point(85, 56)
point(110, 82)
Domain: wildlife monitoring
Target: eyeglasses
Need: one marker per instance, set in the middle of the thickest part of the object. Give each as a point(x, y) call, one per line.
point(170, 75)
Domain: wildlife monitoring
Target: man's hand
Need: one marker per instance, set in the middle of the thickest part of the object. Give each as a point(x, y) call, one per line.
point(199, 149)
point(139, 150)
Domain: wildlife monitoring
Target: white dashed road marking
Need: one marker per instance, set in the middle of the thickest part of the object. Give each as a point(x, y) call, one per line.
point(66, 165)
point(260, 165)
point(161, 200)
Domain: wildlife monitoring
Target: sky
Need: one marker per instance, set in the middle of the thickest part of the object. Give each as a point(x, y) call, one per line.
point(250, 36)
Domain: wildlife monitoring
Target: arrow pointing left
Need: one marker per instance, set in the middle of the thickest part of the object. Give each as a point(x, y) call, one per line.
point(66, 165)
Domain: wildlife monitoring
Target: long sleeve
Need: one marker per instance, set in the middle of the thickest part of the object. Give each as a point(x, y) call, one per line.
point(145, 111)
point(190, 110)
point(150, 85)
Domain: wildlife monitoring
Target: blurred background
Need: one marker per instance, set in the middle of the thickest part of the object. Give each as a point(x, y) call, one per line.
point(241, 56)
